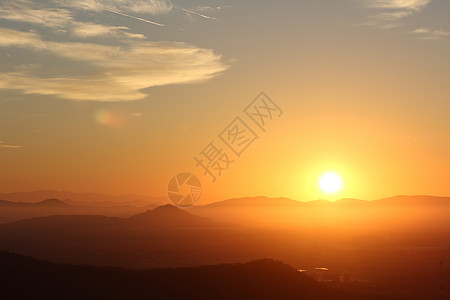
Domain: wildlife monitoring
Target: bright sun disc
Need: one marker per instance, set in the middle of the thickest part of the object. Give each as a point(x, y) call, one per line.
point(330, 182)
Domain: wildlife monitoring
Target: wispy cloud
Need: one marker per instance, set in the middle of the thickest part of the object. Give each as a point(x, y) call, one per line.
point(20, 11)
point(88, 30)
point(394, 15)
point(123, 7)
point(62, 19)
point(210, 8)
point(391, 12)
point(153, 7)
point(398, 4)
point(121, 71)
point(3, 145)
point(117, 67)
point(428, 34)
point(421, 30)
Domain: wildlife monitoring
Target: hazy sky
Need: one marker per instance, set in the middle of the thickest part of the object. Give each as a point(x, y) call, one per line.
point(119, 96)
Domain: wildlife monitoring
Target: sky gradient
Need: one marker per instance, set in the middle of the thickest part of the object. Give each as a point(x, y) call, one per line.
point(119, 96)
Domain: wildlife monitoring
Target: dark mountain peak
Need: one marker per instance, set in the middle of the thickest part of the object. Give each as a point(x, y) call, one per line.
point(167, 208)
point(268, 263)
point(7, 203)
point(170, 216)
point(51, 202)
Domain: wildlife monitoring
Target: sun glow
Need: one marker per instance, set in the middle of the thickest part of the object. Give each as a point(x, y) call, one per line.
point(330, 182)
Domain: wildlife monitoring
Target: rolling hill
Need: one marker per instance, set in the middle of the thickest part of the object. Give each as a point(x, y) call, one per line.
point(27, 278)
point(162, 217)
point(102, 240)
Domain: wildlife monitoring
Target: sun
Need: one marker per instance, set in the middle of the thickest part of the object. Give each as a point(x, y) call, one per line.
point(330, 182)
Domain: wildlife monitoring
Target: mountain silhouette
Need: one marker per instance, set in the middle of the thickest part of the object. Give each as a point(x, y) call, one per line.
point(44, 203)
point(78, 198)
point(413, 200)
point(169, 216)
point(351, 202)
point(24, 205)
point(51, 202)
point(166, 216)
point(261, 201)
point(254, 202)
point(399, 211)
point(27, 278)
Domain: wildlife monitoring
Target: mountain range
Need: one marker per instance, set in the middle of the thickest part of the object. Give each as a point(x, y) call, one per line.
point(262, 201)
point(143, 201)
point(397, 211)
point(44, 203)
point(83, 198)
point(246, 211)
point(162, 217)
point(400, 253)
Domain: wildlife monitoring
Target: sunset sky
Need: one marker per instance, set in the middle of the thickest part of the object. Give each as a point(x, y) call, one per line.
point(119, 96)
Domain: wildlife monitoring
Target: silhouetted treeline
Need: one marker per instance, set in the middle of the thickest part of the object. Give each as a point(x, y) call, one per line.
point(26, 278)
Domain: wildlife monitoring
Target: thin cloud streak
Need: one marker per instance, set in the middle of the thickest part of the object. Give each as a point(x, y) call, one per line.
point(398, 4)
point(428, 34)
point(195, 13)
point(6, 146)
point(87, 30)
point(136, 18)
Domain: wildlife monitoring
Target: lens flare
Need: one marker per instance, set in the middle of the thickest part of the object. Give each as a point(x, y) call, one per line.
point(108, 119)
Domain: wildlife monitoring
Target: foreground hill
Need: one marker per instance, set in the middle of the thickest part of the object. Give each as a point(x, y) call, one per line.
point(144, 240)
point(401, 262)
point(26, 278)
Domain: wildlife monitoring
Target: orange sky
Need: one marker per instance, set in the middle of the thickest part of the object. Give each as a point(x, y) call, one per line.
point(107, 103)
